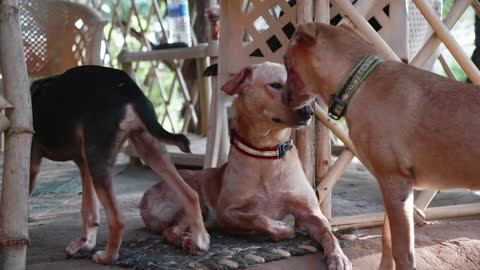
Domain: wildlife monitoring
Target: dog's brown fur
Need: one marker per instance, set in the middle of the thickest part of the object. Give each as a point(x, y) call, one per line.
point(411, 128)
point(251, 195)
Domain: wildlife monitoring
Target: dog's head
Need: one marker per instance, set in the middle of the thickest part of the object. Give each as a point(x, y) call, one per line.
point(259, 88)
point(317, 55)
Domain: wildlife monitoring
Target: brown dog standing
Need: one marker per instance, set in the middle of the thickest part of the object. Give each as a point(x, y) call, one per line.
point(257, 188)
point(411, 128)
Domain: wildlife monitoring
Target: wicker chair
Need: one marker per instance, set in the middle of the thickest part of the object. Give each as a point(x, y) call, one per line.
point(58, 35)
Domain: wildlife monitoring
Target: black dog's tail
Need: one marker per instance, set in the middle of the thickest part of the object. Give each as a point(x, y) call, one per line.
point(144, 108)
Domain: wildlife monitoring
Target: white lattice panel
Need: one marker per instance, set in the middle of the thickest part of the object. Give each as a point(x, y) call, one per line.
point(264, 27)
point(258, 31)
point(419, 29)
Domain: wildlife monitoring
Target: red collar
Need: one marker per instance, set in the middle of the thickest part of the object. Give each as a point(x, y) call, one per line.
point(276, 152)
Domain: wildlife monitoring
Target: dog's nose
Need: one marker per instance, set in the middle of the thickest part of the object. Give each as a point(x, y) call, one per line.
point(306, 112)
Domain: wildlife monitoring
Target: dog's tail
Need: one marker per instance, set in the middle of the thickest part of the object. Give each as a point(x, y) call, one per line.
point(144, 108)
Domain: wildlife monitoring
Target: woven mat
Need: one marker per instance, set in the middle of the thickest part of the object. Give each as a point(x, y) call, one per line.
point(51, 195)
point(226, 252)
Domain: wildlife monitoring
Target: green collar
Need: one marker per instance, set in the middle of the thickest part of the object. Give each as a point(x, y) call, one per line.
point(339, 102)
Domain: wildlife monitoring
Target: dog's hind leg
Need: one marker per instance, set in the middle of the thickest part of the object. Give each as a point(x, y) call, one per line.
point(101, 148)
point(35, 162)
point(387, 262)
point(90, 213)
point(102, 181)
point(155, 155)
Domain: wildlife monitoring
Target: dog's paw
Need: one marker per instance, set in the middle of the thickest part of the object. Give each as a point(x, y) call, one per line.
point(281, 231)
point(101, 257)
point(76, 245)
point(199, 242)
point(338, 261)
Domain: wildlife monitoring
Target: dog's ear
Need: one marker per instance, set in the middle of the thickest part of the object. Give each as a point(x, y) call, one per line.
point(305, 35)
point(238, 81)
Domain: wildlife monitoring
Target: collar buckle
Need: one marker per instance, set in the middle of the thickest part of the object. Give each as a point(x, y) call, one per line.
point(336, 108)
point(284, 147)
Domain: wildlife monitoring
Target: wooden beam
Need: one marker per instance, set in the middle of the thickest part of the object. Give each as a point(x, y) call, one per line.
point(199, 51)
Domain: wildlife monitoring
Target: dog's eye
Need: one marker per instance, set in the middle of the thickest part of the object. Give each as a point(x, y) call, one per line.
point(276, 85)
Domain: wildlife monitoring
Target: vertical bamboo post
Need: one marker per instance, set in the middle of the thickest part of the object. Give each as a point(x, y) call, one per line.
point(212, 16)
point(217, 138)
point(16, 167)
point(205, 94)
point(323, 146)
point(305, 137)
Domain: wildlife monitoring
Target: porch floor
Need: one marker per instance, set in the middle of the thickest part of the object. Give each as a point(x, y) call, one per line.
point(447, 244)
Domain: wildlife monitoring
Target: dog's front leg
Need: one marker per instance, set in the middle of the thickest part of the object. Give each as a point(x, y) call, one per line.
point(397, 194)
point(90, 214)
point(319, 230)
point(387, 262)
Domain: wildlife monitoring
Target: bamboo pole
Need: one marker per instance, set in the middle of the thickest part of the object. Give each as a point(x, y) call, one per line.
point(205, 94)
point(362, 8)
point(432, 43)
point(446, 67)
point(4, 123)
point(322, 11)
point(4, 104)
point(323, 146)
point(449, 41)
point(452, 211)
point(359, 220)
point(433, 213)
point(367, 30)
point(16, 167)
point(323, 160)
point(305, 137)
point(331, 177)
point(321, 114)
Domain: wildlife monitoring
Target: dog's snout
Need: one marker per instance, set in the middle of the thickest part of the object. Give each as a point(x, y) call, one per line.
point(306, 112)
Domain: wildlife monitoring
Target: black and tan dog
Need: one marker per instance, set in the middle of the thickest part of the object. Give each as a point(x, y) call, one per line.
point(85, 115)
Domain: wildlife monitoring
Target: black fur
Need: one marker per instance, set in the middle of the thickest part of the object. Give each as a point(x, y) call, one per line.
point(94, 99)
